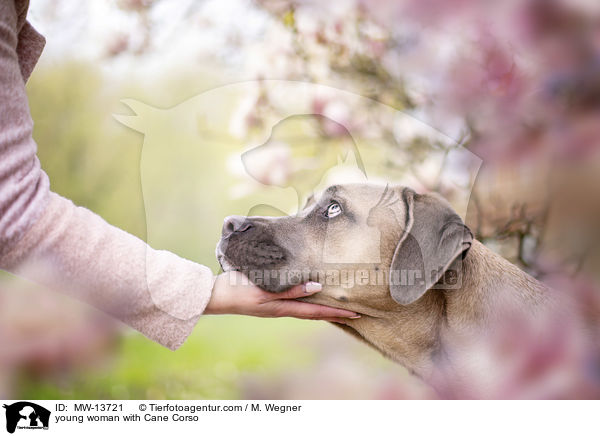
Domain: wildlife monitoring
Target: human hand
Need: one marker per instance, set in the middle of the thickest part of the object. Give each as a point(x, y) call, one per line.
point(234, 294)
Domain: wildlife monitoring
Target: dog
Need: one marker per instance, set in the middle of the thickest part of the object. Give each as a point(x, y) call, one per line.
point(431, 286)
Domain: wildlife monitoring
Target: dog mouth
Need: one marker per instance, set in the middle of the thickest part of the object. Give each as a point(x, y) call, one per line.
point(262, 261)
point(239, 255)
point(225, 264)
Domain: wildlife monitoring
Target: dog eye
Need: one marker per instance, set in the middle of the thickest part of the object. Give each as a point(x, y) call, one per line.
point(334, 209)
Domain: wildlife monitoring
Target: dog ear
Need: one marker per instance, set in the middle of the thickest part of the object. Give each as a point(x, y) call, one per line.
point(433, 238)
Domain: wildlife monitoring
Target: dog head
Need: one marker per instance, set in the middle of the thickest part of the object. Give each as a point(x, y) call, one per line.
point(369, 244)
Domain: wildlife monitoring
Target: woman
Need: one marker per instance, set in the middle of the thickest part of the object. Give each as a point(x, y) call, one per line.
point(45, 237)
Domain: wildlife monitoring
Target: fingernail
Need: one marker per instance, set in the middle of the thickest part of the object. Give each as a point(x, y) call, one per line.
point(354, 317)
point(312, 287)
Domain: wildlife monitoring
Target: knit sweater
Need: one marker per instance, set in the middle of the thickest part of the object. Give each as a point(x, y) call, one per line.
point(46, 238)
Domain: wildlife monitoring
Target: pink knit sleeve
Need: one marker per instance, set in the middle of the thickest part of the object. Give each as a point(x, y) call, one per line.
point(48, 239)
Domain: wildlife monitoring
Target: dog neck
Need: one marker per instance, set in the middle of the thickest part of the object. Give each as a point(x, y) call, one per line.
point(423, 335)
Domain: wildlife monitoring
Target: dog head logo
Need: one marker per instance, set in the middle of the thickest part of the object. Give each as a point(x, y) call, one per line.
point(198, 164)
point(26, 415)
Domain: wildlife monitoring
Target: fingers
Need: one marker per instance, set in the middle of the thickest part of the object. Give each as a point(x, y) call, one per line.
point(297, 291)
point(285, 304)
point(299, 309)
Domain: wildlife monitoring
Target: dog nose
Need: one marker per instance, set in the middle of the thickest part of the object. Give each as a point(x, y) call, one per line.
point(235, 224)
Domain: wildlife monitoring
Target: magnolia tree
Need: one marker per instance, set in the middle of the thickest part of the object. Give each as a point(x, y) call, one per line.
point(515, 82)
point(518, 84)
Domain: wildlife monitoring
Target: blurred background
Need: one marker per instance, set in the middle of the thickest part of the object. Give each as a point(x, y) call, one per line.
point(516, 83)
